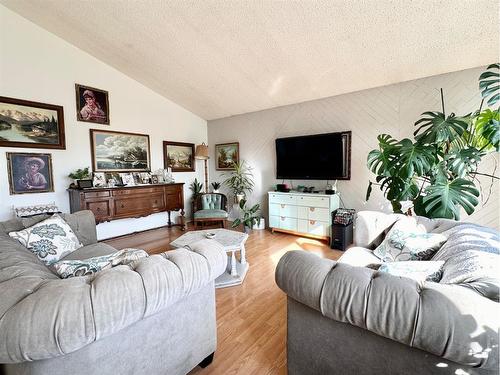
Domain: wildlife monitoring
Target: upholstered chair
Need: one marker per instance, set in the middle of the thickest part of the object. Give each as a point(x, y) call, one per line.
point(210, 207)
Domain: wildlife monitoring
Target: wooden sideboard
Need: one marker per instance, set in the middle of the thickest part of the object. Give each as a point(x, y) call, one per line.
point(130, 201)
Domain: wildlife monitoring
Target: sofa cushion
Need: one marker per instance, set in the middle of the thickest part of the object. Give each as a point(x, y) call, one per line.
point(90, 251)
point(50, 239)
point(471, 257)
point(425, 270)
point(90, 266)
point(408, 240)
point(209, 214)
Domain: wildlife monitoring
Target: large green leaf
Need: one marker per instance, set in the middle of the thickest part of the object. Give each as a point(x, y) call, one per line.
point(444, 197)
point(462, 162)
point(413, 158)
point(486, 126)
point(381, 161)
point(398, 189)
point(489, 84)
point(435, 128)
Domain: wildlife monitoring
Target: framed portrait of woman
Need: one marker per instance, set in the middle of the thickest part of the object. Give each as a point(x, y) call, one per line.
point(92, 105)
point(30, 173)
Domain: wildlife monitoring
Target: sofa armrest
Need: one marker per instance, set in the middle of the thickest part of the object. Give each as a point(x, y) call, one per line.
point(83, 224)
point(49, 318)
point(446, 320)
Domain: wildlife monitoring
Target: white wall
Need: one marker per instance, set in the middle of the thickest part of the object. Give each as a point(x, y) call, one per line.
point(390, 109)
point(36, 65)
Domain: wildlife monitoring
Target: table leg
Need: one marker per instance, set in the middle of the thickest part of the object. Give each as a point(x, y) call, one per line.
point(243, 259)
point(233, 264)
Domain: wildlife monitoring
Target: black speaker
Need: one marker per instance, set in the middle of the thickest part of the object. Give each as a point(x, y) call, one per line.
point(342, 236)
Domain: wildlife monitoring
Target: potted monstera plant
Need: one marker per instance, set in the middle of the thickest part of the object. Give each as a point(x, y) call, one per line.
point(437, 170)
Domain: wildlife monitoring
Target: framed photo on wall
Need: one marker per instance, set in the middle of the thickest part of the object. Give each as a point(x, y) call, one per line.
point(29, 173)
point(119, 151)
point(226, 154)
point(178, 156)
point(31, 124)
point(92, 105)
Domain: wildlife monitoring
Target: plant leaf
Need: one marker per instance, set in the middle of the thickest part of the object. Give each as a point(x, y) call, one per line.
point(413, 158)
point(463, 161)
point(490, 88)
point(435, 128)
point(443, 198)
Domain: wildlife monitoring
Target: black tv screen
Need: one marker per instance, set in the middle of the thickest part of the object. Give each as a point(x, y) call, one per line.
point(314, 157)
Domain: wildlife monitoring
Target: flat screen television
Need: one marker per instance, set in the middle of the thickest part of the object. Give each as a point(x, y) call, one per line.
point(314, 157)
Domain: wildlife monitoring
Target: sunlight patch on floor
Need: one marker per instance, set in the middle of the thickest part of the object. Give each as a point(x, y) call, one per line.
point(299, 244)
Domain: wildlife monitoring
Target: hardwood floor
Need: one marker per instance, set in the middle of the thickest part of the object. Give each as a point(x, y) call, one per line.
point(251, 318)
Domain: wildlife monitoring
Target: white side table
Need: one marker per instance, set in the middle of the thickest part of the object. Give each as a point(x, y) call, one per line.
point(232, 242)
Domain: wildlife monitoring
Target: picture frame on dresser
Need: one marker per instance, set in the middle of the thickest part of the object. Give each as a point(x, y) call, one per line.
point(114, 151)
point(30, 124)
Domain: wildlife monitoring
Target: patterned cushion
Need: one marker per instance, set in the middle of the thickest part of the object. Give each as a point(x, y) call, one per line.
point(50, 239)
point(210, 214)
point(408, 241)
point(90, 266)
point(417, 270)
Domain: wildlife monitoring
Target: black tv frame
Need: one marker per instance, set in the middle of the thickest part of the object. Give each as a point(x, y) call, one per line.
point(348, 137)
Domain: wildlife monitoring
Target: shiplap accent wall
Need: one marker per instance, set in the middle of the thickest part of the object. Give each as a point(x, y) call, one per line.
point(391, 109)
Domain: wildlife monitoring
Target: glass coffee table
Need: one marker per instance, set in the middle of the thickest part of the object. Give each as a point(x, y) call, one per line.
point(232, 242)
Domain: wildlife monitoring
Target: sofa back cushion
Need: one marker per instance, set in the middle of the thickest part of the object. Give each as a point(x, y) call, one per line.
point(472, 257)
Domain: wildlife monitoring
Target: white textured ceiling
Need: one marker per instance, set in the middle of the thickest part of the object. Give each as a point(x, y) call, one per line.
point(218, 58)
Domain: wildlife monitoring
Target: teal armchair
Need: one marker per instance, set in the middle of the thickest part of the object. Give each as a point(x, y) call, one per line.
point(210, 207)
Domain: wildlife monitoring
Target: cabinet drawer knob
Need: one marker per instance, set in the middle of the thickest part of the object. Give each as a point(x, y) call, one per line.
point(123, 206)
point(282, 218)
point(282, 206)
point(98, 208)
point(312, 222)
point(311, 208)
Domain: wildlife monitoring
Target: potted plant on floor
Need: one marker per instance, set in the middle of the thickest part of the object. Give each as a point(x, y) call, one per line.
point(249, 216)
point(438, 171)
point(240, 180)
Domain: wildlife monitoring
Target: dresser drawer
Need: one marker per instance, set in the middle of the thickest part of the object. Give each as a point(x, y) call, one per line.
point(96, 194)
point(319, 228)
point(142, 191)
point(288, 210)
point(318, 213)
point(274, 209)
point(153, 203)
point(288, 223)
point(303, 212)
point(302, 226)
point(282, 198)
point(312, 201)
point(100, 209)
point(274, 221)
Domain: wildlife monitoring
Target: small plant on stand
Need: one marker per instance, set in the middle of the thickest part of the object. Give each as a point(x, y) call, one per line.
point(79, 174)
point(216, 187)
point(249, 218)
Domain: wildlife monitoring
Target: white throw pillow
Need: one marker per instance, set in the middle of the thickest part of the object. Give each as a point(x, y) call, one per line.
point(50, 239)
point(408, 241)
point(416, 270)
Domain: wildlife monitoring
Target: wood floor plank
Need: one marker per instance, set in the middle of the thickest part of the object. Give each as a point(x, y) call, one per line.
point(251, 318)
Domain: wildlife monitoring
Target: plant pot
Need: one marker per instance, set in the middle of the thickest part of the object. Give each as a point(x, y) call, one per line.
point(215, 191)
point(239, 197)
point(261, 224)
point(246, 229)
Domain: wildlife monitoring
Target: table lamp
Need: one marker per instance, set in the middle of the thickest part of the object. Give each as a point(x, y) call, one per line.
point(201, 153)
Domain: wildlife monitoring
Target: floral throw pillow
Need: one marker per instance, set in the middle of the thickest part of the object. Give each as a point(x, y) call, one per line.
point(408, 241)
point(90, 266)
point(420, 271)
point(50, 239)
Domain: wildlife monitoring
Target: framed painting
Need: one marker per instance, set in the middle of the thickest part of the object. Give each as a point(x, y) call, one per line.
point(31, 124)
point(29, 173)
point(178, 156)
point(92, 105)
point(226, 154)
point(119, 151)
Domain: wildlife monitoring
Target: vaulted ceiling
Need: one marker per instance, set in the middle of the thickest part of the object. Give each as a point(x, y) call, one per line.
point(219, 58)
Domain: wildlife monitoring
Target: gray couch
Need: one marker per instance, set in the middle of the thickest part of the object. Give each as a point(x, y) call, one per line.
point(154, 317)
point(345, 318)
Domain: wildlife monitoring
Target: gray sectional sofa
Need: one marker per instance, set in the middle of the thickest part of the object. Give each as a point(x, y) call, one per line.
point(346, 318)
point(154, 317)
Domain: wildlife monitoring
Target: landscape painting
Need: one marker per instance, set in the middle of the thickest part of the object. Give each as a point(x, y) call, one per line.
point(30, 124)
point(119, 151)
point(226, 154)
point(178, 156)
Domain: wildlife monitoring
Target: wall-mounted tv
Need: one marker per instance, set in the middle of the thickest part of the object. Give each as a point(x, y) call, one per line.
point(314, 157)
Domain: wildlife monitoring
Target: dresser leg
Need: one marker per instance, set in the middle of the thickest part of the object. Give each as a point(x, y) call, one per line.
point(183, 220)
point(169, 223)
